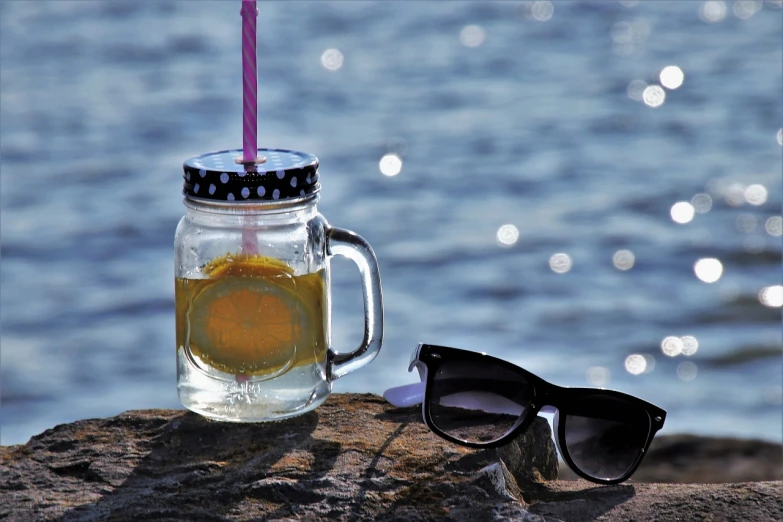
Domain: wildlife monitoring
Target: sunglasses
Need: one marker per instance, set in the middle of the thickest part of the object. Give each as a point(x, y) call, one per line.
point(480, 401)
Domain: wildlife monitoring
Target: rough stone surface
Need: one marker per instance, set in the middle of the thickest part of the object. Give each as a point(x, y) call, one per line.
point(354, 458)
point(696, 459)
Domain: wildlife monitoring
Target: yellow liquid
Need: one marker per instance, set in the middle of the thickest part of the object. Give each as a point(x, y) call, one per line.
point(252, 316)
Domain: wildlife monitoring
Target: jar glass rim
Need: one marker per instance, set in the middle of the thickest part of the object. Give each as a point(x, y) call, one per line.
point(250, 207)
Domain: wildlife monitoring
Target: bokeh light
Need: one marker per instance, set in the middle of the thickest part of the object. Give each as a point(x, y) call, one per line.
point(654, 96)
point(623, 260)
point(598, 376)
point(390, 165)
point(713, 11)
point(560, 263)
point(744, 9)
point(734, 194)
point(635, 364)
point(622, 32)
point(649, 363)
point(746, 223)
point(636, 89)
point(507, 235)
point(708, 269)
point(771, 296)
point(671, 77)
point(690, 345)
point(682, 212)
point(671, 346)
point(774, 226)
point(756, 194)
point(780, 137)
point(332, 59)
point(472, 35)
point(687, 371)
point(702, 203)
point(542, 10)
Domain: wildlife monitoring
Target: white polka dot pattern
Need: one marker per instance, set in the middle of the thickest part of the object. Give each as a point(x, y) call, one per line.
point(285, 175)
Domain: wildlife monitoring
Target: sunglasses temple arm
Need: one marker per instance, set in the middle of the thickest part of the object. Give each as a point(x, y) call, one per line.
point(404, 396)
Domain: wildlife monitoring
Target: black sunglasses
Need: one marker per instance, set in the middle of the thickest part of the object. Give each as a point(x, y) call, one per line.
point(480, 401)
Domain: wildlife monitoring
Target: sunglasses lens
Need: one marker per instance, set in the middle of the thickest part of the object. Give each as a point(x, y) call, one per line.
point(478, 402)
point(605, 435)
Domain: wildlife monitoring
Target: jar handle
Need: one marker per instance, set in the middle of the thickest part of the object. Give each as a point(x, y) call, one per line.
point(348, 244)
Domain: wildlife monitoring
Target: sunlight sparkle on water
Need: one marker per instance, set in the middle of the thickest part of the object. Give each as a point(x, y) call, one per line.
point(472, 35)
point(713, 11)
point(756, 194)
point(622, 32)
point(671, 77)
point(672, 346)
point(780, 137)
point(390, 165)
point(623, 260)
point(734, 195)
point(687, 371)
point(771, 296)
point(682, 212)
point(598, 376)
point(708, 269)
point(635, 364)
point(744, 9)
point(332, 59)
point(507, 235)
point(774, 226)
point(560, 263)
point(654, 96)
point(746, 223)
point(649, 363)
point(690, 345)
point(636, 89)
point(702, 203)
point(542, 10)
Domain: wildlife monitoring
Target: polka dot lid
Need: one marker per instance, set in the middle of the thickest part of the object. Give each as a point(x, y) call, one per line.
point(286, 174)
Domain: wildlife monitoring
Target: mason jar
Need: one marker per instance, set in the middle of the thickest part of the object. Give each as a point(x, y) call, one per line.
point(252, 290)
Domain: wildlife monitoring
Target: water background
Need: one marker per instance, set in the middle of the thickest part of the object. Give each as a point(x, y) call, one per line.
point(523, 120)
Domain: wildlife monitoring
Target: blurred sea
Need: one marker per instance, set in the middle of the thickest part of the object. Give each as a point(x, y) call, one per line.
point(533, 147)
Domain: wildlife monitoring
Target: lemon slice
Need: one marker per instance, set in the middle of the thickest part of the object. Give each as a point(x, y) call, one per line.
point(247, 325)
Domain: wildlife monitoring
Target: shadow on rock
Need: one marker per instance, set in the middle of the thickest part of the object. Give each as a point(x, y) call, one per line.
point(199, 469)
point(581, 505)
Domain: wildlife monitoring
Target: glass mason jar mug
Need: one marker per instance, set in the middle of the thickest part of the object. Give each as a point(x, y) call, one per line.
point(252, 289)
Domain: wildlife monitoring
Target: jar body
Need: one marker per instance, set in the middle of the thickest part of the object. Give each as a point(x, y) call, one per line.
point(252, 309)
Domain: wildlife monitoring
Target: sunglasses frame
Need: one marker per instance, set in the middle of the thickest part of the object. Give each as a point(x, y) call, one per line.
point(544, 394)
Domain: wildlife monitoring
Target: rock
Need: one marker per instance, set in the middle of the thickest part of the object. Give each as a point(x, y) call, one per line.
point(699, 459)
point(354, 458)
point(691, 458)
point(576, 501)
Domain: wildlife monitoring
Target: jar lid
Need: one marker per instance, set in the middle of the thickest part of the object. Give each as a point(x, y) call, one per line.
point(286, 174)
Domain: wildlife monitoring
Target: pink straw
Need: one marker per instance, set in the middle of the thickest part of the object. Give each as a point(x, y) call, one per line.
point(250, 103)
point(250, 81)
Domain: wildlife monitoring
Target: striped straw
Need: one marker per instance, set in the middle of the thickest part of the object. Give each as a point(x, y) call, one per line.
point(250, 81)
